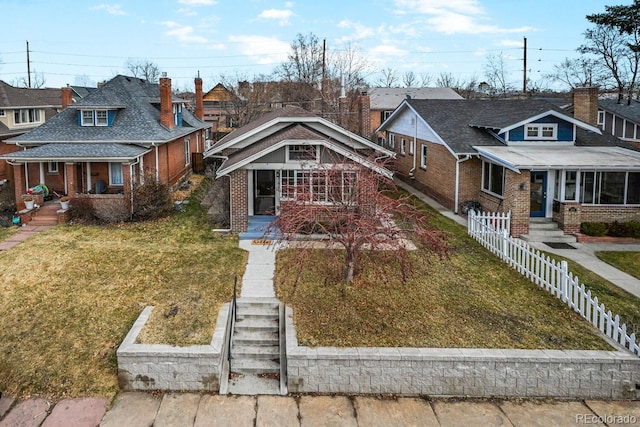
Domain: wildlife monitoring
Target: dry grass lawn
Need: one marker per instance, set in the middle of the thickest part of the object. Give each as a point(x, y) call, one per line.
point(70, 295)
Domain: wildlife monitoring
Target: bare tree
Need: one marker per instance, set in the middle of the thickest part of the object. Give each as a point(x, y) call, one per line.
point(303, 71)
point(83, 80)
point(37, 81)
point(425, 79)
point(496, 74)
point(579, 72)
point(389, 78)
point(409, 79)
point(447, 80)
point(143, 69)
point(360, 214)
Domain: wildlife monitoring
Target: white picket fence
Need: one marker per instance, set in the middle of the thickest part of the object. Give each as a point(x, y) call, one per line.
point(548, 274)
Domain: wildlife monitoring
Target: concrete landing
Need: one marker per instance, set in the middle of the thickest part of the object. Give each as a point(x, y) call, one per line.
point(261, 265)
point(247, 384)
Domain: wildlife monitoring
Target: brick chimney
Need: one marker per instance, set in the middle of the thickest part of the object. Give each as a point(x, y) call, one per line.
point(585, 104)
point(166, 103)
point(364, 115)
point(199, 100)
point(67, 97)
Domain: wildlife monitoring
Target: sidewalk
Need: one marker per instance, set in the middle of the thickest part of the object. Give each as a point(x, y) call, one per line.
point(23, 234)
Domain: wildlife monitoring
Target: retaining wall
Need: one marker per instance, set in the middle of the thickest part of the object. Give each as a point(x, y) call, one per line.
point(165, 367)
point(575, 374)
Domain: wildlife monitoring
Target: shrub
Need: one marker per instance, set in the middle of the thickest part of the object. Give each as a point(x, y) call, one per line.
point(111, 211)
point(593, 228)
point(617, 229)
point(633, 229)
point(151, 200)
point(81, 211)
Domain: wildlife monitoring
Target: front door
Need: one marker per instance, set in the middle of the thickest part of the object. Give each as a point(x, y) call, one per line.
point(264, 190)
point(538, 191)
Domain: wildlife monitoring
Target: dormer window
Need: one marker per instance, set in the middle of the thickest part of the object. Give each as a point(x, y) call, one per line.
point(177, 114)
point(539, 131)
point(303, 152)
point(94, 118)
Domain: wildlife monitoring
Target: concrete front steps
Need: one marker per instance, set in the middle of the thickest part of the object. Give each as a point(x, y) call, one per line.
point(255, 350)
point(44, 215)
point(257, 228)
point(546, 230)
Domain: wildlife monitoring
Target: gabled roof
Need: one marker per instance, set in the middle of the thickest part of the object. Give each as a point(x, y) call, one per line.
point(388, 98)
point(465, 123)
point(291, 126)
point(20, 97)
point(137, 120)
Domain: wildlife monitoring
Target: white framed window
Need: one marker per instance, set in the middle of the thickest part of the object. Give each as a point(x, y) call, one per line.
point(392, 140)
point(600, 120)
point(177, 114)
point(610, 188)
point(116, 175)
point(403, 146)
point(2, 113)
point(302, 152)
point(101, 118)
point(423, 156)
point(26, 115)
point(187, 152)
point(319, 186)
point(540, 131)
point(86, 118)
point(94, 118)
point(385, 115)
point(412, 146)
point(52, 167)
point(493, 178)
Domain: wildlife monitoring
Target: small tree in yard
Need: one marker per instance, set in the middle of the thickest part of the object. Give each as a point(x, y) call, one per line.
point(151, 199)
point(360, 214)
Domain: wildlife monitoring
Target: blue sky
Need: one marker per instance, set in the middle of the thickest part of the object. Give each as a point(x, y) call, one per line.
point(70, 39)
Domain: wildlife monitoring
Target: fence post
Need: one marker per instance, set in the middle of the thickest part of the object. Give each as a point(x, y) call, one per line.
point(564, 280)
point(505, 244)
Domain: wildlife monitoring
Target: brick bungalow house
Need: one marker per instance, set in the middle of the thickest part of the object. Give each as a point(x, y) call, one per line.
point(268, 158)
point(525, 156)
point(99, 146)
point(21, 110)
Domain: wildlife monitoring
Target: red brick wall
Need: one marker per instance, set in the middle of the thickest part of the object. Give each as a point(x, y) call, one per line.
point(517, 201)
point(239, 206)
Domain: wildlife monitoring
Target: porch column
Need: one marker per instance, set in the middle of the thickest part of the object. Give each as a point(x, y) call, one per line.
point(127, 185)
point(517, 200)
point(72, 180)
point(19, 184)
point(239, 207)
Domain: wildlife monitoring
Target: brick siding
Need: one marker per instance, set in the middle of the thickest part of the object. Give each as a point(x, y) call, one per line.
point(239, 206)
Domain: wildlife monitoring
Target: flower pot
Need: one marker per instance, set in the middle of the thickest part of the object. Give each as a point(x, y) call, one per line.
point(64, 205)
point(29, 204)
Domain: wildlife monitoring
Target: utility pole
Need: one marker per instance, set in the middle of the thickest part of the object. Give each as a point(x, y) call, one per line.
point(28, 67)
point(524, 78)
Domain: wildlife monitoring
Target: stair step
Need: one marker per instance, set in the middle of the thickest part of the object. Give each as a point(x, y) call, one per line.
point(259, 366)
point(256, 338)
point(254, 352)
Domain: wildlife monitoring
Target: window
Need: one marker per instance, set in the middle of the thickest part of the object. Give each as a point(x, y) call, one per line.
point(600, 121)
point(26, 115)
point(423, 156)
point(53, 167)
point(302, 152)
point(412, 146)
point(570, 178)
point(493, 178)
point(177, 114)
point(385, 115)
point(403, 146)
point(187, 152)
point(392, 141)
point(319, 186)
point(116, 176)
point(541, 131)
point(610, 188)
point(2, 113)
point(94, 118)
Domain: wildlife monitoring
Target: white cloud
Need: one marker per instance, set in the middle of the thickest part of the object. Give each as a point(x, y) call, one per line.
point(261, 49)
point(360, 31)
point(512, 43)
point(280, 15)
point(111, 9)
point(387, 50)
point(184, 33)
point(198, 2)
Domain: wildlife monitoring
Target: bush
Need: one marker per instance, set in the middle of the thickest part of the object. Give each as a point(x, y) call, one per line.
point(81, 211)
point(633, 229)
point(111, 211)
point(151, 200)
point(593, 228)
point(617, 229)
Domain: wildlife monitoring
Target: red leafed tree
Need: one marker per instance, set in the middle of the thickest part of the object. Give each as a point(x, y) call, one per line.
point(355, 210)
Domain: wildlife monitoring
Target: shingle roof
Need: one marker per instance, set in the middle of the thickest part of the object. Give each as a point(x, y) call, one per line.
point(463, 123)
point(629, 111)
point(80, 151)
point(137, 119)
point(388, 98)
point(17, 97)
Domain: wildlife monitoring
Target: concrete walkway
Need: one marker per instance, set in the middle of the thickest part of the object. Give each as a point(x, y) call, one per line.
point(257, 281)
point(23, 234)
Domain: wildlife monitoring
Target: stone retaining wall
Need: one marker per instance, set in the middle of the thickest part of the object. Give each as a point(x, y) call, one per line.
point(572, 374)
point(165, 367)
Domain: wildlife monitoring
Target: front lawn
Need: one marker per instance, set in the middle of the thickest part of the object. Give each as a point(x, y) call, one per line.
point(629, 262)
point(471, 300)
point(70, 295)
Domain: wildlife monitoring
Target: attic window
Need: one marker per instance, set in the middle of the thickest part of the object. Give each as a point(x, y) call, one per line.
point(303, 152)
point(535, 131)
point(2, 113)
point(94, 118)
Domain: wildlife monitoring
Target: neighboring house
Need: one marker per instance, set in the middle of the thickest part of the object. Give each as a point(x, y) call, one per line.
point(104, 143)
point(524, 156)
point(384, 100)
point(269, 157)
point(21, 110)
point(621, 119)
point(220, 109)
